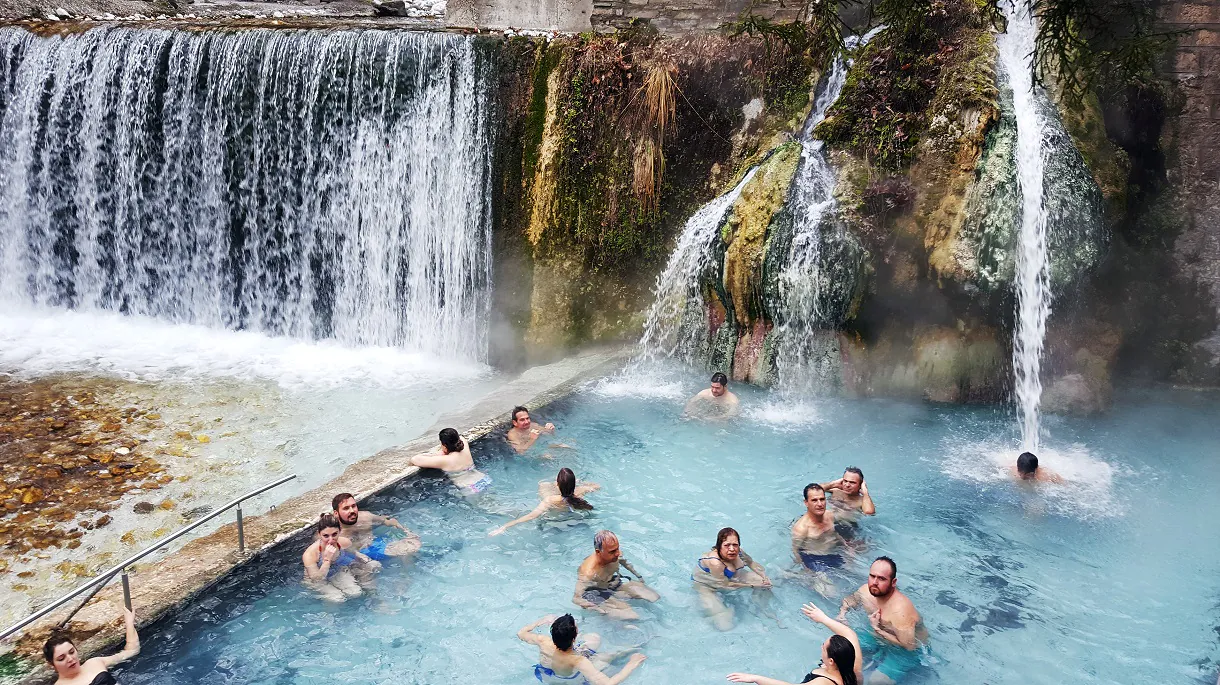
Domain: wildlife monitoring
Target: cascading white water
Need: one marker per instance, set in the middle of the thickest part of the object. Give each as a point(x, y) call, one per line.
point(802, 323)
point(296, 183)
point(677, 296)
point(1016, 49)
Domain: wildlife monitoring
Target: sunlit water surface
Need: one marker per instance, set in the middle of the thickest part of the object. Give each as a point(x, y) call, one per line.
point(1111, 579)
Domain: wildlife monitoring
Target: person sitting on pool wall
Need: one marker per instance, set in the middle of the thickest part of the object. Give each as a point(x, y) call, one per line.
point(358, 526)
point(327, 562)
point(894, 620)
point(60, 652)
point(564, 660)
point(1027, 469)
point(563, 494)
point(727, 567)
point(599, 585)
point(841, 662)
point(457, 463)
point(816, 544)
point(716, 402)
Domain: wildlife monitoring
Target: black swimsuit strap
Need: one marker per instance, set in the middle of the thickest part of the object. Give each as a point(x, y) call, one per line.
point(814, 676)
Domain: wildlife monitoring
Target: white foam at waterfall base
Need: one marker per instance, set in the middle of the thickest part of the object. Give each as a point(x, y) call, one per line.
point(1016, 48)
point(37, 342)
point(1086, 493)
point(785, 414)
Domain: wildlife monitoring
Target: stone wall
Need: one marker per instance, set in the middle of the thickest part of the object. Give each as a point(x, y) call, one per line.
point(1193, 165)
point(689, 15)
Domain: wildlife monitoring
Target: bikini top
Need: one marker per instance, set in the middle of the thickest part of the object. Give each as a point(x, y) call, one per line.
point(103, 678)
point(813, 676)
point(728, 572)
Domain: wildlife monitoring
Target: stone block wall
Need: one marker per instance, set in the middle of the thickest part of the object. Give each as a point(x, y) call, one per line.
point(685, 16)
point(1194, 163)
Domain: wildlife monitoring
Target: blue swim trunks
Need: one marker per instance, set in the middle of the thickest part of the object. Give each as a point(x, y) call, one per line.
point(376, 549)
point(821, 562)
point(892, 661)
point(479, 485)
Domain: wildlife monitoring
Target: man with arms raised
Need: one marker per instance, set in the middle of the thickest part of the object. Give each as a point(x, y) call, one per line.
point(358, 527)
point(898, 631)
point(717, 402)
point(850, 496)
point(600, 586)
point(523, 435)
point(816, 544)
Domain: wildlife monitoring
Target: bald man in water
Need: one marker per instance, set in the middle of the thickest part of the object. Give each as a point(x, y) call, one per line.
point(599, 585)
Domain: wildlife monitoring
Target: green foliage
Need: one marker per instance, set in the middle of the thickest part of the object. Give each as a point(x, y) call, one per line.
point(792, 52)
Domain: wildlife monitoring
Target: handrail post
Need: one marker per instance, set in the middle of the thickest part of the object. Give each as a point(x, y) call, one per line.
point(241, 532)
point(126, 591)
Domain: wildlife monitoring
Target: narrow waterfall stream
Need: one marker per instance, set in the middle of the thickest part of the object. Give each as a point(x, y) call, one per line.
point(1016, 49)
point(309, 184)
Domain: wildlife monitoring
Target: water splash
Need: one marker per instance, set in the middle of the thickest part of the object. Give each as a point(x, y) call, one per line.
point(1016, 48)
point(306, 184)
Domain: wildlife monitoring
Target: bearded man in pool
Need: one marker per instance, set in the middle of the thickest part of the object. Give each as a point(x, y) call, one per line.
point(716, 402)
point(892, 648)
point(358, 527)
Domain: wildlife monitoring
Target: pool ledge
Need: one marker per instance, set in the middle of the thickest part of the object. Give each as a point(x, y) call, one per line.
point(161, 587)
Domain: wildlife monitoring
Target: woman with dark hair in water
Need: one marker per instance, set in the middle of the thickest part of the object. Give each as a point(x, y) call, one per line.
point(60, 652)
point(327, 562)
point(727, 567)
point(841, 664)
point(563, 495)
point(455, 460)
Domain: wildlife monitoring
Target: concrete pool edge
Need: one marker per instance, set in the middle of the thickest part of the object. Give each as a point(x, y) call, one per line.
point(162, 587)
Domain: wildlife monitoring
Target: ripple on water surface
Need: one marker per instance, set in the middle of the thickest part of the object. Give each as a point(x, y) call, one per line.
point(1010, 593)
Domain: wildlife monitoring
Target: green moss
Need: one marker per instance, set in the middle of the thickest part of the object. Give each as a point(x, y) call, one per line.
point(884, 109)
point(535, 118)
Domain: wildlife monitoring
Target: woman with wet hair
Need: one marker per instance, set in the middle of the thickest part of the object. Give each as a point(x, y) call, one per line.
point(328, 561)
point(60, 652)
point(562, 495)
point(457, 463)
point(727, 567)
point(841, 664)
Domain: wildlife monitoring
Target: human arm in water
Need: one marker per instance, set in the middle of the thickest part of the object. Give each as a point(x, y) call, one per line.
point(583, 584)
point(849, 602)
point(131, 646)
point(527, 634)
point(815, 614)
point(631, 569)
point(595, 677)
point(758, 569)
point(538, 511)
point(376, 520)
point(898, 629)
point(585, 488)
point(759, 679)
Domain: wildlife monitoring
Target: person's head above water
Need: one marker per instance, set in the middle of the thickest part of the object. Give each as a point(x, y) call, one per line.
point(839, 650)
point(720, 384)
point(815, 499)
point(1027, 465)
point(450, 441)
point(728, 544)
point(606, 545)
point(853, 478)
point(60, 652)
point(345, 508)
point(563, 632)
point(882, 577)
point(521, 418)
point(328, 528)
point(566, 480)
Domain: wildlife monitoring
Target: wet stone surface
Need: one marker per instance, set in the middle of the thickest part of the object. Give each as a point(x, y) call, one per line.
point(66, 458)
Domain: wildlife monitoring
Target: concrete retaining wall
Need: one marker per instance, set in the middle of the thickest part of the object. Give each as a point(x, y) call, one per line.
point(574, 16)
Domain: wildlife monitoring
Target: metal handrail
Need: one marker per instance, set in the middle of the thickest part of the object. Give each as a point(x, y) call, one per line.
point(121, 568)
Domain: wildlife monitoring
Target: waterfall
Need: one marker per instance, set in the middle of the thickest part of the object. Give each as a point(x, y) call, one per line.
point(819, 263)
point(676, 323)
point(308, 184)
point(1016, 49)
